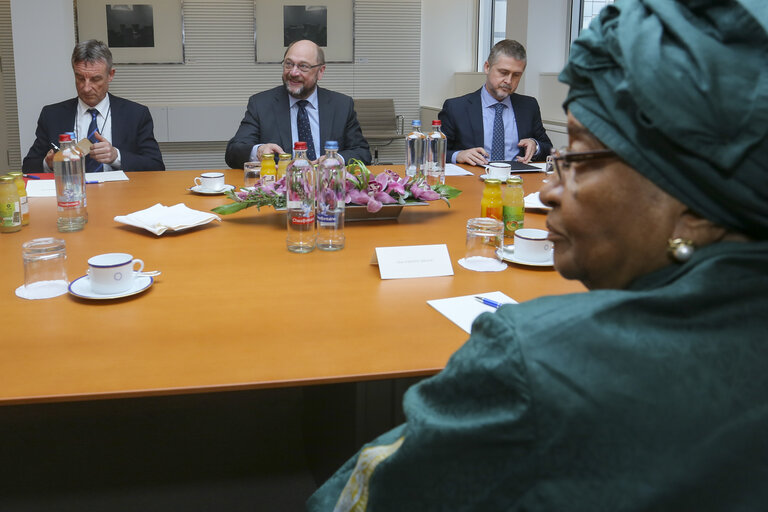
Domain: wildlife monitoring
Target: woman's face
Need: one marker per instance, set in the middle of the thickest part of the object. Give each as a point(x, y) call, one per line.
point(609, 224)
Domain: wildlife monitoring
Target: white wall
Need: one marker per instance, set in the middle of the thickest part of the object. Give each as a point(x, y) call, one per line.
point(43, 38)
point(448, 42)
point(546, 40)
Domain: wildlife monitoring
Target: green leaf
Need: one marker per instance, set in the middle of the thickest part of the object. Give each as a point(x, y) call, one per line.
point(226, 209)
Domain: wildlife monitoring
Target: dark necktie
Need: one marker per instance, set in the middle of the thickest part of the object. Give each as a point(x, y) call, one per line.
point(305, 131)
point(92, 165)
point(497, 145)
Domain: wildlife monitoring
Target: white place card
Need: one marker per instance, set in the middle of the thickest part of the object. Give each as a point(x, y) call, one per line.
point(463, 310)
point(414, 261)
point(106, 176)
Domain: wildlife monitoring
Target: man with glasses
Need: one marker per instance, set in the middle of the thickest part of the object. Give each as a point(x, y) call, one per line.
point(298, 110)
point(494, 123)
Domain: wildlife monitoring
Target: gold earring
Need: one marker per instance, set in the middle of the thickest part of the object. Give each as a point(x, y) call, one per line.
point(680, 249)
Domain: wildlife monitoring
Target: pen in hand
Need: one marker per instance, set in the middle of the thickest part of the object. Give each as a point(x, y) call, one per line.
point(55, 146)
point(488, 302)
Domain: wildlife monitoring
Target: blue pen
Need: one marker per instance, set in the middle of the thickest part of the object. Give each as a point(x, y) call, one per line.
point(32, 176)
point(488, 302)
point(91, 182)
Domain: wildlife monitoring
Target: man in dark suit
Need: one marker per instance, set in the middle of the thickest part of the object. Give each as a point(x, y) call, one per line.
point(298, 111)
point(121, 130)
point(494, 123)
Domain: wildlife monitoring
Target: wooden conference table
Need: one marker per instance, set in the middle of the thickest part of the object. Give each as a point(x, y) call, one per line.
point(233, 309)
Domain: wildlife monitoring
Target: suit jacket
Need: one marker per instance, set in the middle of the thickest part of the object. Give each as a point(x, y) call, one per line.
point(268, 120)
point(462, 120)
point(132, 134)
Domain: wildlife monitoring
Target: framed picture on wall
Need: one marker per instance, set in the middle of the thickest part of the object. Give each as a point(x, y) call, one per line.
point(150, 32)
point(329, 23)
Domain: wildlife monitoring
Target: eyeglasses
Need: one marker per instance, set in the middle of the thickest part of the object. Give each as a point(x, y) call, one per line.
point(303, 67)
point(562, 160)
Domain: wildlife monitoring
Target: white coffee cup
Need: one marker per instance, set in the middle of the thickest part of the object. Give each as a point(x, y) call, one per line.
point(532, 245)
point(213, 181)
point(113, 272)
point(499, 171)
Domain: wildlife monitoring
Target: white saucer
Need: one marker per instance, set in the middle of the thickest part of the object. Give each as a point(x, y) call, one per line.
point(508, 254)
point(81, 287)
point(197, 189)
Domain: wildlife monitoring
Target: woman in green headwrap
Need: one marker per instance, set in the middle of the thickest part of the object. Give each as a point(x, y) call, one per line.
point(650, 391)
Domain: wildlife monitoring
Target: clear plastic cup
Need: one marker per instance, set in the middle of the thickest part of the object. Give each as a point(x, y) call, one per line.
point(485, 241)
point(251, 174)
point(45, 272)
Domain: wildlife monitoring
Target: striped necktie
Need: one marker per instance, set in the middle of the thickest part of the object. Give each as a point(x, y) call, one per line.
point(92, 165)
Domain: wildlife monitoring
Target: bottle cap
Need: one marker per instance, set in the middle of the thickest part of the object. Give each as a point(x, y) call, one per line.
point(299, 145)
point(416, 122)
point(436, 122)
point(492, 181)
point(64, 137)
point(514, 179)
point(331, 144)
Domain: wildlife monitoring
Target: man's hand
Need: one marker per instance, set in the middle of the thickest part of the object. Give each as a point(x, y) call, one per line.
point(49, 159)
point(103, 151)
point(472, 156)
point(529, 149)
point(268, 148)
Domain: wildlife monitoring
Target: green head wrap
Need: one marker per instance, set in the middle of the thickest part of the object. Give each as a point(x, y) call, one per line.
point(679, 89)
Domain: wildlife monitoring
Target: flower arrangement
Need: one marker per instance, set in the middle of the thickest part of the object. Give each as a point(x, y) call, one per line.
point(363, 188)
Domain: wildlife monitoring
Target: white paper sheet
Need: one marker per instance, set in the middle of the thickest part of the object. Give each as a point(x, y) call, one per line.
point(455, 170)
point(414, 261)
point(463, 310)
point(41, 188)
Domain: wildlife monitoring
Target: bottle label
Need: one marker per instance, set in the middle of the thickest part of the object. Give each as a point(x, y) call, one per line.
point(24, 205)
point(10, 214)
point(326, 219)
point(513, 218)
point(69, 204)
point(301, 220)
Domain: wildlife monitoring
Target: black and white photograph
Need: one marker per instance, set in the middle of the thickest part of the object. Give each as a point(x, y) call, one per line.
point(329, 24)
point(150, 32)
point(305, 22)
point(130, 26)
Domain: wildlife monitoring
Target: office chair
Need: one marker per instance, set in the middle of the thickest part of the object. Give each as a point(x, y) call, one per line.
point(379, 123)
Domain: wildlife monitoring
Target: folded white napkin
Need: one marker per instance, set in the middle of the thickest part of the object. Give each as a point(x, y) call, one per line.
point(534, 201)
point(158, 218)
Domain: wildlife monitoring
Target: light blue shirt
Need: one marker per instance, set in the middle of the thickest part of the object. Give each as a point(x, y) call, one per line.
point(511, 138)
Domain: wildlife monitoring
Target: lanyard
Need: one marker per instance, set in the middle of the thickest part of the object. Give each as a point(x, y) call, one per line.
point(109, 111)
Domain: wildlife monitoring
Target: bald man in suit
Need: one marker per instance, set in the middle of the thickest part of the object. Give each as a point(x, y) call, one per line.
point(298, 110)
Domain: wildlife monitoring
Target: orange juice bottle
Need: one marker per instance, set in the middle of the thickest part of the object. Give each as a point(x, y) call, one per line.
point(491, 204)
point(268, 170)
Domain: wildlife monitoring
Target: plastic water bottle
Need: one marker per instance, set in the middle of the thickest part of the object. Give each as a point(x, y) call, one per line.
point(69, 174)
point(300, 201)
point(331, 189)
point(436, 142)
point(415, 150)
point(85, 179)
